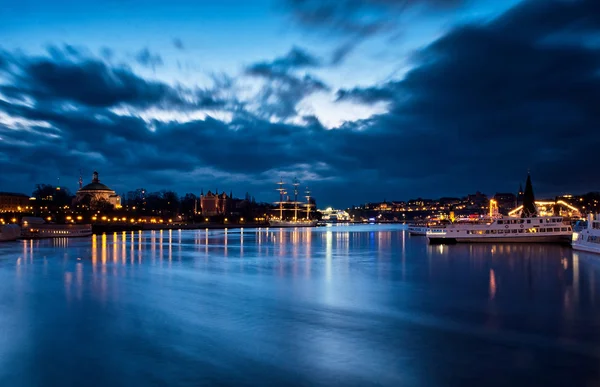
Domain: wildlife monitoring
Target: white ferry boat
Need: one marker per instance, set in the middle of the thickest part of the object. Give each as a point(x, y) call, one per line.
point(36, 228)
point(9, 232)
point(548, 229)
point(417, 230)
point(588, 239)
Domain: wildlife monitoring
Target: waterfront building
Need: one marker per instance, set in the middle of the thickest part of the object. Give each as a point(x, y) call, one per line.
point(551, 208)
point(213, 204)
point(96, 192)
point(520, 195)
point(13, 202)
point(333, 215)
point(506, 201)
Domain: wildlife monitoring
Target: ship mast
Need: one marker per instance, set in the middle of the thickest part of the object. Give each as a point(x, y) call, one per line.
point(296, 184)
point(307, 204)
point(281, 193)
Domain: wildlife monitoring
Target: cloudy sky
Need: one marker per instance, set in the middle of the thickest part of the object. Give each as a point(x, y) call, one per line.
point(362, 100)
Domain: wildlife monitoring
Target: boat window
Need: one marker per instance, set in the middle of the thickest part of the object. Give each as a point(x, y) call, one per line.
point(522, 221)
point(569, 228)
point(487, 231)
point(514, 231)
point(541, 220)
point(500, 222)
point(528, 220)
point(563, 229)
point(542, 230)
point(520, 231)
point(557, 229)
point(493, 232)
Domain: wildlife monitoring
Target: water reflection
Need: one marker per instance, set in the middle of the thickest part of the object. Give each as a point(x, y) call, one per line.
point(336, 305)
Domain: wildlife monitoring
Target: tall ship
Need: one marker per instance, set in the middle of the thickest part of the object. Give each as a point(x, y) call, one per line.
point(37, 228)
point(297, 220)
point(9, 232)
point(588, 238)
point(527, 228)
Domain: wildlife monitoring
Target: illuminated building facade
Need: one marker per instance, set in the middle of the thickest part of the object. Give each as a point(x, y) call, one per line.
point(96, 192)
point(552, 208)
point(506, 202)
point(13, 202)
point(213, 204)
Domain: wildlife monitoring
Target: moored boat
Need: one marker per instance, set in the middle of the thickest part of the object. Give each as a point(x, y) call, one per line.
point(588, 238)
point(9, 232)
point(418, 229)
point(296, 221)
point(550, 229)
point(36, 228)
point(292, 223)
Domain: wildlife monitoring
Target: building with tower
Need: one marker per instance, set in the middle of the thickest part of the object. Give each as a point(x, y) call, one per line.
point(96, 193)
point(213, 204)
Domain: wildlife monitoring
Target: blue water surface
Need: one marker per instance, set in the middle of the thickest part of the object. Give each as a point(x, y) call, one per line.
point(341, 305)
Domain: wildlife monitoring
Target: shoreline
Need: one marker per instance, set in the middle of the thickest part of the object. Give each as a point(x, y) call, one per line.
point(110, 228)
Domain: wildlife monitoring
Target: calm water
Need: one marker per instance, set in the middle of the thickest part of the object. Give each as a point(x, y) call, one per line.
point(365, 305)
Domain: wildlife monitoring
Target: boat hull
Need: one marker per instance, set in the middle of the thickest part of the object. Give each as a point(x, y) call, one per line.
point(9, 233)
point(587, 247)
point(417, 231)
point(510, 239)
point(291, 224)
point(46, 231)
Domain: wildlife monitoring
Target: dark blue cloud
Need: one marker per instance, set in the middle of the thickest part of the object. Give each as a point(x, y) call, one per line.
point(178, 44)
point(481, 106)
point(296, 58)
point(486, 104)
point(358, 18)
point(284, 89)
point(148, 59)
point(72, 76)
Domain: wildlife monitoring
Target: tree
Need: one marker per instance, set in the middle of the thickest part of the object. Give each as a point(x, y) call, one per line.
point(43, 192)
point(189, 203)
point(54, 196)
point(101, 205)
point(170, 201)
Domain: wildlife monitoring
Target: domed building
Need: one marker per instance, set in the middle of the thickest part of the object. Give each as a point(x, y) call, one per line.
point(96, 192)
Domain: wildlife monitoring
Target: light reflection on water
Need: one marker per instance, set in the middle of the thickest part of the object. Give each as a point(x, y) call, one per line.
point(328, 306)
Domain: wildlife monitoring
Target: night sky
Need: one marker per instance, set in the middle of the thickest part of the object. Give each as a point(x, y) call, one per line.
point(362, 100)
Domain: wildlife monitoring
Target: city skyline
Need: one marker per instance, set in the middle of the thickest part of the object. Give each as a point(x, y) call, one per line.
point(289, 194)
point(450, 97)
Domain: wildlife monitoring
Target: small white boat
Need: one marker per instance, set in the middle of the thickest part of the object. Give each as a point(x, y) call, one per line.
point(588, 239)
point(36, 228)
point(9, 232)
point(417, 230)
point(548, 229)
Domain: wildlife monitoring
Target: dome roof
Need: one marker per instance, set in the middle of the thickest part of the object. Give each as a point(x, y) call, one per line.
point(95, 186)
